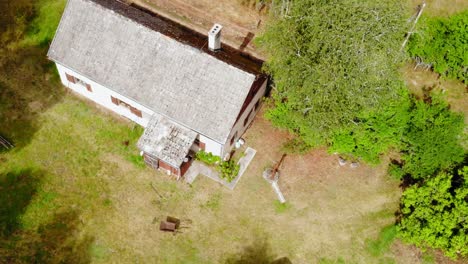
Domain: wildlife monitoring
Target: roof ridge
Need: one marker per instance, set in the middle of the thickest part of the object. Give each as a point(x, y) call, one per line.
point(183, 34)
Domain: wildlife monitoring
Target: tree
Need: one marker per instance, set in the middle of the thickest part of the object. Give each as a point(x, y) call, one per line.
point(374, 133)
point(442, 42)
point(435, 213)
point(331, 61)
point(432, 138)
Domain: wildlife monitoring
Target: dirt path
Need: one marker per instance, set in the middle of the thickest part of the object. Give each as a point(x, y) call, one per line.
point(240, 24)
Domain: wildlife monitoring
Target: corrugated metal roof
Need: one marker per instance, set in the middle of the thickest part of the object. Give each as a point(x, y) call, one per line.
point(166, 140)
point(172, 78)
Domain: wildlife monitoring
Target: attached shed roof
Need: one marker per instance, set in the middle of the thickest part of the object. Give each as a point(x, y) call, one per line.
point(166, 140)
point(154, 62)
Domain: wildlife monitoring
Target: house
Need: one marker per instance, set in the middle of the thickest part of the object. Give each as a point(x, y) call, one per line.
point(188, 90)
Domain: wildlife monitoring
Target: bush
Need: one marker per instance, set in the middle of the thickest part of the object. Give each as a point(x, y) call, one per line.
point(434, 213)
point(374, 133)
point(442, 42)
point(207, 157)
point(229, 170)
point(432, 139)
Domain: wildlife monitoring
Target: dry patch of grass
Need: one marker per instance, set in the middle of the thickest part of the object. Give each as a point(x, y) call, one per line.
point(441, 7)
point(331, 212)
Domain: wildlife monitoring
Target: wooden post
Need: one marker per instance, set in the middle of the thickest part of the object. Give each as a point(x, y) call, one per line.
point(276, 168)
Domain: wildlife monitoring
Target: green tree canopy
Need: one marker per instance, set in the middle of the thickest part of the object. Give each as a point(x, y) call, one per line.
point(432, 138)
point(330, 61)
point(435, 213)
point(443, 43)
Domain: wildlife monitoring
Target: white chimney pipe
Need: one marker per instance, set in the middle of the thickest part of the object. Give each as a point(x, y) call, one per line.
point(214, 37)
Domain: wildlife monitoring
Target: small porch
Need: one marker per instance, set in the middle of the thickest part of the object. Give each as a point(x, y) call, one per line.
point(166, 146)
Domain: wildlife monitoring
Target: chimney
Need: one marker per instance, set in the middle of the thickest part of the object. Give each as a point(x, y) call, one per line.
point(214, 37)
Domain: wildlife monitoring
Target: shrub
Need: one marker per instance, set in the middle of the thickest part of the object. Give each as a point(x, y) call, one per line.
point(229, 170)
point(207, 157)
point(431, 142)
point(373, 133)
point(442, 42)
point(434, 213)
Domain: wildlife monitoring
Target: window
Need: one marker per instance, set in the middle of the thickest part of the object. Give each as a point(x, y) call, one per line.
point(70, 78)
point(257, 104)
point(126, 105)
point(233, 138)
point(246, 120)
point(75, 80)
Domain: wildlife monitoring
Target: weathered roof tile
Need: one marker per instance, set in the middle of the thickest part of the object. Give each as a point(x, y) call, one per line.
point(186, 84)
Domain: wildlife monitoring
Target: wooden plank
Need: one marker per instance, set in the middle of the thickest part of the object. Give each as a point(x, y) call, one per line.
point(167, 226)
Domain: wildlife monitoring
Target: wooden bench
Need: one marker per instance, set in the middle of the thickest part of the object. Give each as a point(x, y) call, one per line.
point(170, 225)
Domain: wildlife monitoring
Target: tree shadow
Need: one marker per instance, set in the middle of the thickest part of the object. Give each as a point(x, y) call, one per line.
point(58, 241)
point(258, 253)
point(29, 83)
point(28, 87)
point(17, 188)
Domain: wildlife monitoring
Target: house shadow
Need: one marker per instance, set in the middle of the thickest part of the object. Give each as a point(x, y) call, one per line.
point(29, 83)
point(258, 252)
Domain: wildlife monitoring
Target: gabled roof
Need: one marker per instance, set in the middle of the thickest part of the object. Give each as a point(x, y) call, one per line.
point(155, 62)
point(166, 140)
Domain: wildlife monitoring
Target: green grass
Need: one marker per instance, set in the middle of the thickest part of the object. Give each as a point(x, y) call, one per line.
point(332, 261)
point(17, 189)
point(384, 241)
point(74, 190)
point(42, 28)
point(213, 202)
point(281, 207)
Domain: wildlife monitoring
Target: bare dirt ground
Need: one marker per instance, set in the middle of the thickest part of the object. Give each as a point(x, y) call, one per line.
point(441, 7)
point(241, 24)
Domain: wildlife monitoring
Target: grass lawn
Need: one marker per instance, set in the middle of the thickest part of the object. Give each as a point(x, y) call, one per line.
point(74, 189)
point(75, 182)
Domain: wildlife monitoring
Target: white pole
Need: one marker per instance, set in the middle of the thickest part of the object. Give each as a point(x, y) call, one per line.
point(414, 25)
point(278, 192)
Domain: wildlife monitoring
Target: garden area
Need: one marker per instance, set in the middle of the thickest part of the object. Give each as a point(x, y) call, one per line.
point(75, 190)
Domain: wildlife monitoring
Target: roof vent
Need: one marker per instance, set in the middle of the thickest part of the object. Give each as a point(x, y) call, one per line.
point(214, 37)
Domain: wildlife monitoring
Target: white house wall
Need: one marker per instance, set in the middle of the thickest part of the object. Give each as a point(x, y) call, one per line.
point(239, 125)
point(211, 146)
point(102, 96)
